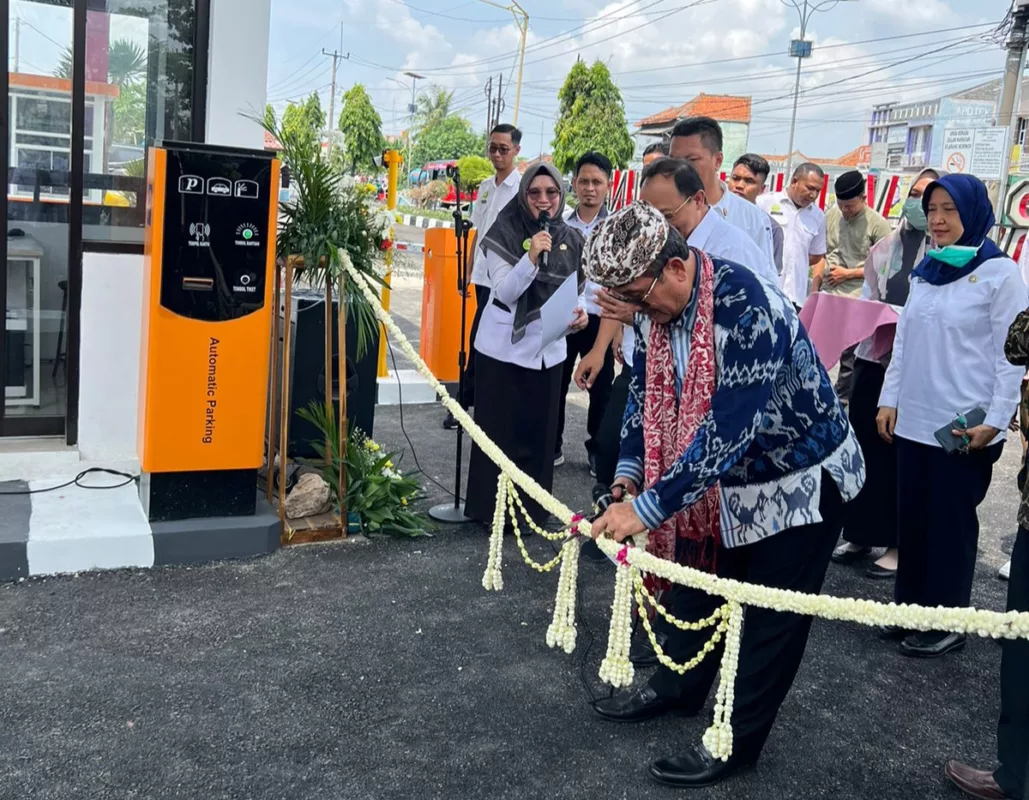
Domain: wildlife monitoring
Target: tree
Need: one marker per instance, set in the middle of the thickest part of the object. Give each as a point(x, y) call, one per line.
point(474, 170)
point(130, 115)
point(451, 138)
point(305, 119)
point(591, 117)
point(126, 62)
point(361, 127)
point(432, 107)
point(269, 117)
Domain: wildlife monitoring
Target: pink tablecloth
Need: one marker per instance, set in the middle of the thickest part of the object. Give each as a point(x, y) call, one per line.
point(834, 323)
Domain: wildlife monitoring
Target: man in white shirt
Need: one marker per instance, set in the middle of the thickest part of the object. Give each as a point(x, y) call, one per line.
point(748, 179)
point(699, 141)
point(591, 183)
point(675, 188)
point(803, 221)
point(493, 194)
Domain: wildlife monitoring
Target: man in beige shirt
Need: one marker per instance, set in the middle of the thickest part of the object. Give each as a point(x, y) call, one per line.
point(851, 229)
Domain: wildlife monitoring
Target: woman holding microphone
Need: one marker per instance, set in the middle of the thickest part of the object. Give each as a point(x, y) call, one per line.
point(517, 379)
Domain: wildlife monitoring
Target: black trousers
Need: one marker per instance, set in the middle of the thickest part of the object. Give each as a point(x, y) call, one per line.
point(872, 515)
point(579, 344)
point(608, 441)
point(773, 642)
point(481, 299)
point(845, 380)
point(1013, 728)
point(937, 524)
point(516, 410)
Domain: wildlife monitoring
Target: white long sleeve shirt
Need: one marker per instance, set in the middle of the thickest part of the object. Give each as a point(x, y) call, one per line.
point(489, 200)
point(754, 222)
point(718, 238)
point(507, 284)
point(948, 354)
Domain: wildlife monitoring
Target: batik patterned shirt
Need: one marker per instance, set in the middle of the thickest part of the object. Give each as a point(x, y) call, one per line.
point(1016, 348)
point(775, 421)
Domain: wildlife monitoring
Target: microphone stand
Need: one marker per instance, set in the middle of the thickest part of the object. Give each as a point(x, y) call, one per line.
point(454, 512)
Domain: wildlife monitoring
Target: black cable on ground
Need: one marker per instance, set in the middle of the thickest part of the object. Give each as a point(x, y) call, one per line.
point(76, 481)
point(400, 397)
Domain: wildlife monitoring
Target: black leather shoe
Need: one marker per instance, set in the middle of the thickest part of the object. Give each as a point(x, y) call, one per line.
point(642, 704)
point(932, 644)
point(892, 633)
point(591, 552)
point(880, 573)
point(641, 652)
point(844, 555)
point(450, 423)
point(693, 769)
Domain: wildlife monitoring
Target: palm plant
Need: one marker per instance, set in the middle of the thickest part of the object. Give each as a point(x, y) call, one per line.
point(126, 62)
point(432, 107)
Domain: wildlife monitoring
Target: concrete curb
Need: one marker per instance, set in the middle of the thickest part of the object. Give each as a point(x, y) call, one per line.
point(424, 222)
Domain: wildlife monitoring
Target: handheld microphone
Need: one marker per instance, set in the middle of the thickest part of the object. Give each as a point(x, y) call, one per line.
point(545, 227)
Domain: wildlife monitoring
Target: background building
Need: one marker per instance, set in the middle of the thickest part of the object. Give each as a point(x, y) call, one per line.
point(733, 113)
point(909, 136)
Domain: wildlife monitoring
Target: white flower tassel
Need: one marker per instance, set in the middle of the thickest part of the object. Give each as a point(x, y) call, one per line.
point(616, 669)
point(493, 579)
point(718, 738)
point(562, 632)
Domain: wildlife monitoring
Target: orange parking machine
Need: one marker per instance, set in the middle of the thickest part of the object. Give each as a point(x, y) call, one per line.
point(207, 306)
point(441, 305)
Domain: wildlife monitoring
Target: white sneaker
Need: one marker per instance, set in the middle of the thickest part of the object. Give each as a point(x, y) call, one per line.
point(1004, 573)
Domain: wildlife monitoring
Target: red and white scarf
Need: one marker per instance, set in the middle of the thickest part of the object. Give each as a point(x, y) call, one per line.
point(670, 422)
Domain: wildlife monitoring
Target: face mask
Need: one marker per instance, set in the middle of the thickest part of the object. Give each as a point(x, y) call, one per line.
point(956, 255)
point(914, 214)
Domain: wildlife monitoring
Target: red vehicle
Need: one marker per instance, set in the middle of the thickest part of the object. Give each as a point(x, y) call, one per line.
point(437, 171)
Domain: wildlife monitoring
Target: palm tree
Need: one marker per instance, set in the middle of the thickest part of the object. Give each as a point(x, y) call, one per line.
point(433, 106)
point(126, 62)
point(126, 66)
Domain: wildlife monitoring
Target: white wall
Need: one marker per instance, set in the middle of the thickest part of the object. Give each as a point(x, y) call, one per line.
point(238, 72)
point(112, 311)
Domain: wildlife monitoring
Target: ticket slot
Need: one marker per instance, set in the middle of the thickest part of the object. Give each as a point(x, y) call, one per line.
point(198, 284)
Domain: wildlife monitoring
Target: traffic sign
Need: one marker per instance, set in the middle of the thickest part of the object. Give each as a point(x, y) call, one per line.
point(975, 151)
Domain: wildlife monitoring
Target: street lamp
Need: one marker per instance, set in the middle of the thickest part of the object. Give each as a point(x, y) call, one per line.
point(801, 49)
point(411, 108)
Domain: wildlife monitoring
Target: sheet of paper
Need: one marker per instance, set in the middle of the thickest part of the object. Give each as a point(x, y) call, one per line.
point(557, 313)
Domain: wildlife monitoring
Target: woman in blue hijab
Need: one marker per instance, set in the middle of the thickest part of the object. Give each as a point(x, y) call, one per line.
point(947, 398)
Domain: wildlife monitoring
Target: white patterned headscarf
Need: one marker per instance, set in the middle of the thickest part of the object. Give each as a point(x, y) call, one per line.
point(625, 244)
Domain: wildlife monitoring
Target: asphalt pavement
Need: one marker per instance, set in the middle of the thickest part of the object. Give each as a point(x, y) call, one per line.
point(381, 669)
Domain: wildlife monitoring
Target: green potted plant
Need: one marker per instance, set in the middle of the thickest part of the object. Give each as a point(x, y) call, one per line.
point(327, 227)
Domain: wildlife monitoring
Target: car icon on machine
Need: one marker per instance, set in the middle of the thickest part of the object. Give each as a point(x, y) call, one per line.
point(220, 186)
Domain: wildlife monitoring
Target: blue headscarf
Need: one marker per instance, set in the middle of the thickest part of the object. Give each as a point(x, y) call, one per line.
point(976, 212)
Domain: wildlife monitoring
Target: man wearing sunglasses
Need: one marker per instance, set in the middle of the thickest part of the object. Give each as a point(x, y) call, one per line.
point(736, 456)
point(493, 194)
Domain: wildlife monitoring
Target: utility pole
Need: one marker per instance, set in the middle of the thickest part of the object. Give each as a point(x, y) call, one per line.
point(521, 18)
point(337, 57)
point(488, 91)
point(1011, 94)
point(412, 109)
point(17, 44)
point(501, 105)
point(801, 49)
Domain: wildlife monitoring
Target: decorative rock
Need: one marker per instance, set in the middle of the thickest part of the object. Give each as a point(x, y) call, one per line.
point(310, 497)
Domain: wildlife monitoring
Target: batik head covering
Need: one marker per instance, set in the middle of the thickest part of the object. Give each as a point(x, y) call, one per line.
point(976, 212)
point(625, 244)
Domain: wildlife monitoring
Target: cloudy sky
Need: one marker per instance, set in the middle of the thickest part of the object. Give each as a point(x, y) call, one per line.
point(661, 53)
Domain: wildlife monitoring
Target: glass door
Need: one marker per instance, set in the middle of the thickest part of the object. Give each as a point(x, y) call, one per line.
point(36, 91)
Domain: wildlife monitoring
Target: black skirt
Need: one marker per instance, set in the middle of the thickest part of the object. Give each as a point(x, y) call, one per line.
point(517, 409)
point(871, 519)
